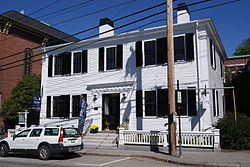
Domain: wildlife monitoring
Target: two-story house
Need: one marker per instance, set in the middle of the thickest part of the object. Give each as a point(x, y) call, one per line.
point(123, 77)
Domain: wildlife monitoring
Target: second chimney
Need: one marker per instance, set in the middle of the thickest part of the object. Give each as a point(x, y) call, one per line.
point(183, 15)
point(106, 25)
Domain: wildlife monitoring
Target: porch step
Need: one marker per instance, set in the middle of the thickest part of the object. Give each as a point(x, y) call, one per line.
point(100, 140)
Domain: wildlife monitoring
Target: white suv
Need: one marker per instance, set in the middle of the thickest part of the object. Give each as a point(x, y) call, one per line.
point(44, 141)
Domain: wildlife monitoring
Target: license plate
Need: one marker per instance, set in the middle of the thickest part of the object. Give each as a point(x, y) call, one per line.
point(73, 141)
point(74, 149)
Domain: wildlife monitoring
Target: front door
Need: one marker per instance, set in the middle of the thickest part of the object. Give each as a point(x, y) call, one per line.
point(111, 111)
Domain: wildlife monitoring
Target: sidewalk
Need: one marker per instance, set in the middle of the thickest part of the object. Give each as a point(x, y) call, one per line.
point(221, 159)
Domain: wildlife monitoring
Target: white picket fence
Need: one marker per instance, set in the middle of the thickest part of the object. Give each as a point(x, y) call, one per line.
point(160, 138)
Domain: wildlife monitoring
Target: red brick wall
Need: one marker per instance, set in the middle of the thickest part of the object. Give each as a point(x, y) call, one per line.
point(11, 44)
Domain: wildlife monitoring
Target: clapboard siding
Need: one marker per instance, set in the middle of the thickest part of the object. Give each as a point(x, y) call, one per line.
point(144, 78)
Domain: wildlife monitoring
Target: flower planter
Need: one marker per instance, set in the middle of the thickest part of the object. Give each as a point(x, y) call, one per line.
point(94, 130)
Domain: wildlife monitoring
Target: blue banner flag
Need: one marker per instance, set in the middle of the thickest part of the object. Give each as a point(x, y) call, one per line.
point(83, 113)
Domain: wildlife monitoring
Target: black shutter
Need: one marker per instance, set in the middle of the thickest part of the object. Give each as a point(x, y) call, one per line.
point(161, 50)
point(191, 103)
point(119, 54)
point(50, 65)
point(162, 102)
point(138, 48)
point(190, 46)
point(101, 59)
point(66, 63)
point(84, 61)
point(48, 112)
point(139, 103)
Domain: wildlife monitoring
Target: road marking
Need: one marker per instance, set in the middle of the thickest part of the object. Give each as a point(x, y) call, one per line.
point(2, 158)
point(107, 163)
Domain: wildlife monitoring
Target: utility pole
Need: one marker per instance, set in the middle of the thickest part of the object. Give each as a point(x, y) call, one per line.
point(170, 80)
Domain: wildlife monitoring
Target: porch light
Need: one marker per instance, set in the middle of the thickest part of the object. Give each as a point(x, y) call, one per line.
point(95, 98)
point(124, 96)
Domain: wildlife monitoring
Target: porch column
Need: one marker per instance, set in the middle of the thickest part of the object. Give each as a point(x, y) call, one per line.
point(121, 138)
point(216, 139)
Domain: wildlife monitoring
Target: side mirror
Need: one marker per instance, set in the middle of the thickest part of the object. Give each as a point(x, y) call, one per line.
point(14, 136)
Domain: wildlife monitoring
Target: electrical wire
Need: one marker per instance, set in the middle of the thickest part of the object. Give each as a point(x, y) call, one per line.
point(94, 12)
point(89, 29)
point(103, 33)
point(44, 7)
point(64, 9)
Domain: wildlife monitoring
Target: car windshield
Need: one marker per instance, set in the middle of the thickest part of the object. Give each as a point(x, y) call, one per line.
point(71, 132)
point(1, 131)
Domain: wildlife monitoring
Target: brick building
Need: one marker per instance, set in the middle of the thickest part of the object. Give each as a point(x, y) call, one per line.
point(21, 34)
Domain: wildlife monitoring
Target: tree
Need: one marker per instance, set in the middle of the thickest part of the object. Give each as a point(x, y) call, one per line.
point(243, 48)
point(20, 99)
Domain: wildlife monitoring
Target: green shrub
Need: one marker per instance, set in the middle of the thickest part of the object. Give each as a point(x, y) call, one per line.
point(234, 135)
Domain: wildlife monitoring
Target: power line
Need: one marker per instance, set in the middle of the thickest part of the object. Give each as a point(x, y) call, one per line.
point(44, 7)
point(89, 29)
point(97, 11)
point(63, 9)
point(103, 32)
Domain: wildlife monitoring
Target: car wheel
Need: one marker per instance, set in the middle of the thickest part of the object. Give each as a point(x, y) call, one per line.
point(4, 150)
point(44, 152)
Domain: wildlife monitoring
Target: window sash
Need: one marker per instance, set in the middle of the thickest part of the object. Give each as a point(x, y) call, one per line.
point(150, 52)
point(58, 65)
point(150, 103)
point(179, 49)
point(111, 58)
point(77, 62)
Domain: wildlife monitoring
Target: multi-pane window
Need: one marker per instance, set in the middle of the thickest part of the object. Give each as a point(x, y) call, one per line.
point(150, 103)
point(156, 103)
point(77, 62)
point(27, 61)
point(111, 58)
point(150, 52)
point(61, 106)
point(63, 64)
point(58, 65)
point(80, 62)
point(179, 49)
point(155, 51)
point(187, 105)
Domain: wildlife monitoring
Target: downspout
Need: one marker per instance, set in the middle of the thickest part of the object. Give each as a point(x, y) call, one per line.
point(198, 73)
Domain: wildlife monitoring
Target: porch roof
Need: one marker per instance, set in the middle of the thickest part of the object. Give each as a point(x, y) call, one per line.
point(110, 87)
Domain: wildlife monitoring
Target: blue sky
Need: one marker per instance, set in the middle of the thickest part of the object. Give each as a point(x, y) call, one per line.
point(231, 21)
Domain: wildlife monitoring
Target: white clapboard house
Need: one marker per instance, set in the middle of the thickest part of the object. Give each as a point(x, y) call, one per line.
point(124, 77)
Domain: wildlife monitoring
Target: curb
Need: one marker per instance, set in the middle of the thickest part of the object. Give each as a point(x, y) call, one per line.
point(166, 160)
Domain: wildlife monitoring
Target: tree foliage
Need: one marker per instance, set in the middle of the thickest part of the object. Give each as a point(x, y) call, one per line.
point(234, 135)
point(20, 99)
point(243, 48)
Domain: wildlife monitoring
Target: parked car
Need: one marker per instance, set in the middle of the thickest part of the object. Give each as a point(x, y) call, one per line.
point(44, 141)
point(2, 133)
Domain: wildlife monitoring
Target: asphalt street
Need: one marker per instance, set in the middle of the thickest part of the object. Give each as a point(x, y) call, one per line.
point(78, 160)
